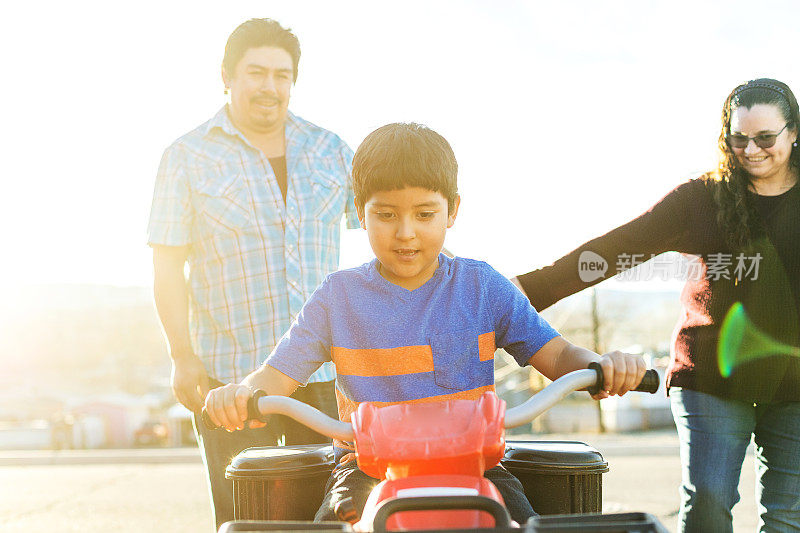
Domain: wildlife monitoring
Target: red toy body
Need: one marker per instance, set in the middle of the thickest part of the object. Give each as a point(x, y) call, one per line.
point(431, 449)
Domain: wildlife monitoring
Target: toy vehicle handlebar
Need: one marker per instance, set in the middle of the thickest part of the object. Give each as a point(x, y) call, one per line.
point(650, 381)
point(591, 379)
point(260, 404)
point(440, 503)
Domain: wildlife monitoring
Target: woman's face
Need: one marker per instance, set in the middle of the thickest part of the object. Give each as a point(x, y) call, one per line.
point(763, 163)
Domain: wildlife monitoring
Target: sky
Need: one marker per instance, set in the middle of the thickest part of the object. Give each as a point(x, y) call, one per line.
point(567, 118)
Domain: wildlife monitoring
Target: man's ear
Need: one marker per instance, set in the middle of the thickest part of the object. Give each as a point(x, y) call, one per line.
point(360, 213)
point(225, 77)
point(451, 216)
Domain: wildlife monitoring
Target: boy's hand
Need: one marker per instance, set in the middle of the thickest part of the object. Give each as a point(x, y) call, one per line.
point(227, 407)
point(621, 372)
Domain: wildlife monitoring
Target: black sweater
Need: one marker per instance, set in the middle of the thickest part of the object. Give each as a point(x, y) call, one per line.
point(685, 221)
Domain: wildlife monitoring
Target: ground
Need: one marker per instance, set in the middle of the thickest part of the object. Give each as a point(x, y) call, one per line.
point(146, 490)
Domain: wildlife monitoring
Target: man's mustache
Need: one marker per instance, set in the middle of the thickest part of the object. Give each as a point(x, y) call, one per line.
point(265, 100)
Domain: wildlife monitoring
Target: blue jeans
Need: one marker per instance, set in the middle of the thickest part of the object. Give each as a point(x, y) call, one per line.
point(219, 447)
point(714, 433)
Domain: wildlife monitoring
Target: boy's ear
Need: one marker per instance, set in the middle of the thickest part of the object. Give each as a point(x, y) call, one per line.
point(360, 213)
point(451, 217)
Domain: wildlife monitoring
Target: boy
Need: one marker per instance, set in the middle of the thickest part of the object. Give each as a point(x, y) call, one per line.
point(413, 324)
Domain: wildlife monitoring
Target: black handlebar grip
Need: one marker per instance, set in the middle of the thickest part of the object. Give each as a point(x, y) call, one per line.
point(650, 382)
point(253, 412)
point(598, 383)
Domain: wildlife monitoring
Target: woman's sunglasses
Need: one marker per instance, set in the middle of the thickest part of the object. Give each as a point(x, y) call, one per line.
point(764, 140)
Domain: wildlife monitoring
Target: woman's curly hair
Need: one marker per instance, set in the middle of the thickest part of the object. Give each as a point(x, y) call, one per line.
point(736, 213)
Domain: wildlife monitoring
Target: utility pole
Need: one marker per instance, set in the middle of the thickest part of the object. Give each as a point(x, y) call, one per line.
point(598, 349)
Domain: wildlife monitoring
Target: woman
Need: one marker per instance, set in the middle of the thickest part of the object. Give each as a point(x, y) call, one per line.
point(746, 216)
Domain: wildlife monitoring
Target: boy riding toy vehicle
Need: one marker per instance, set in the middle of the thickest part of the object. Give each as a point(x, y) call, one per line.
point(430, 458)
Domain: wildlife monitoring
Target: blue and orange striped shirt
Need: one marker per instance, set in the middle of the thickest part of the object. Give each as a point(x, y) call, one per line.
point(391, 345)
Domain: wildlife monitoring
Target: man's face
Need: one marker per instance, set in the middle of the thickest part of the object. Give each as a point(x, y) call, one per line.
point(406, 230)
point(260, 88)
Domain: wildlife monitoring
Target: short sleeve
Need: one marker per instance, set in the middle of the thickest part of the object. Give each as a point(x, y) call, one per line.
point(307, 344)
point(519, 329)
point(350, 207)
point(171, 211)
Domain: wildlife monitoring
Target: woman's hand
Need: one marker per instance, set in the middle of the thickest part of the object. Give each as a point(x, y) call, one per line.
point(621, 372)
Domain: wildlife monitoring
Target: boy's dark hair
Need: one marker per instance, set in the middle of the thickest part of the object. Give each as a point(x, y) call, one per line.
point(400, 155)
point(256, 33)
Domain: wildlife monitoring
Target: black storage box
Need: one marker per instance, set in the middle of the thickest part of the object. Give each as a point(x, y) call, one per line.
point(280, 482)
point(288, 483)
point(559, 477)
point(596, 523)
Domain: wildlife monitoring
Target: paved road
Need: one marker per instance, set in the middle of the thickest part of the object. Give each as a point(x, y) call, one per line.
point(650, 483)
point(135, 491)
point(644, 475)
point(98, 498)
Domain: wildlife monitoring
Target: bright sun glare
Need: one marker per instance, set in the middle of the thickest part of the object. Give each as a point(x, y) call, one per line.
point(566, 119)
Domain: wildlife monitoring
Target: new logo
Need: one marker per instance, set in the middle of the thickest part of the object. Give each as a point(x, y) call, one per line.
point(591, 266)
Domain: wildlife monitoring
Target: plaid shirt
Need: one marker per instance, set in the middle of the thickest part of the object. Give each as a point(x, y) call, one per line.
point(253, 261)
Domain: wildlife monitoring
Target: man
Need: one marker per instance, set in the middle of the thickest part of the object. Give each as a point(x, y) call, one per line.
point(252, 201)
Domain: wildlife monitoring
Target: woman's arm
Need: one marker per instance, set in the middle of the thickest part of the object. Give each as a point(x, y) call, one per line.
point(663, 227)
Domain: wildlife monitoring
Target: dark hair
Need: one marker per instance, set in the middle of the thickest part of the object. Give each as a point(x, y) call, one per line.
point(736, 215)
point(400, 155)
point(256, 33)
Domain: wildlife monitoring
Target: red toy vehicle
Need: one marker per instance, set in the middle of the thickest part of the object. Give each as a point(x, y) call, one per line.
point(431, 458)
point(427, 450)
